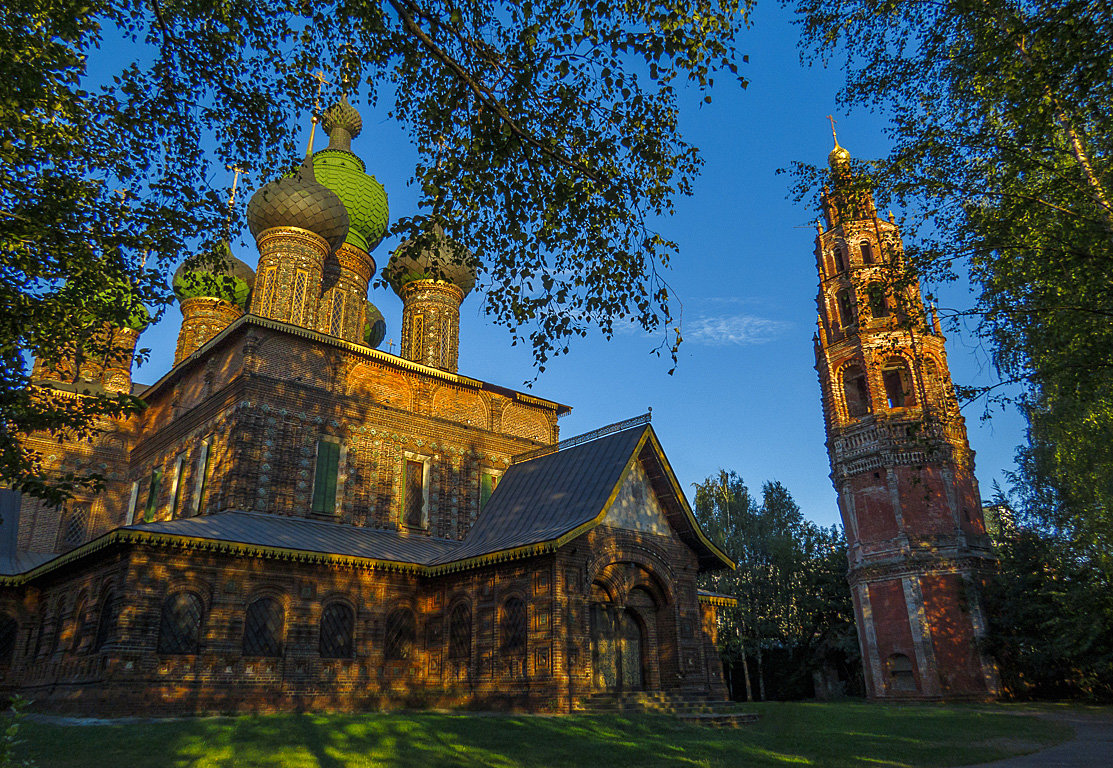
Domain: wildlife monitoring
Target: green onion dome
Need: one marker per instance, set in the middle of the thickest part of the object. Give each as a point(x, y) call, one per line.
point(436, 261)
point(298, 200)
point(217, 275)
point(374, 327)
point(120, 293)
point(343, 172)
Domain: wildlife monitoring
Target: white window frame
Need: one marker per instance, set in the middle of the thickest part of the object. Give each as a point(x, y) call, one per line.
point(341, 471)
point(130, 517)
point(199, 471)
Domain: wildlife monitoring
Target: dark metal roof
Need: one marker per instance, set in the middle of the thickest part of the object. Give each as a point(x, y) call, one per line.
point(537, 502)
point(10, 565)
point(543, 498)
point(297, 533)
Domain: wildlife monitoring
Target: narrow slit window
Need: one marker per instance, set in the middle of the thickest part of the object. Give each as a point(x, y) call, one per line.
point(879, 303)
point(178, 484)
point(847, 314)
point(324, 480)
point(488, 481)
point(413, 502)
point(898, 385)
point(152, 496)
point(201, 478)
point(856, 391)
point(867, 252)
point(840, 263)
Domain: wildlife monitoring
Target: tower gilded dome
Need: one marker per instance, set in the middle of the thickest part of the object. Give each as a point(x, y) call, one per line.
point(212, 290)
point(342, 171)
point(217, 275)
point(432, 277)
point(299, 201)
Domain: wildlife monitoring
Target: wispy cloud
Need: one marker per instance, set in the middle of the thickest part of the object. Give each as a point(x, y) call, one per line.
point(725, 330)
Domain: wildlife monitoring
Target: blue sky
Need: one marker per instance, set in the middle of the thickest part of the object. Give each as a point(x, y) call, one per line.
point(745, 396)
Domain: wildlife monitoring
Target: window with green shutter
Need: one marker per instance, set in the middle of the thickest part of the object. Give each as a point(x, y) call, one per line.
point(488, 481)
point(152, 496)
point(324, 481)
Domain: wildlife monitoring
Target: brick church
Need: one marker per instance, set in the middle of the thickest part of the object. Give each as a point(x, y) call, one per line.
point(299, 520)
point(900, 461)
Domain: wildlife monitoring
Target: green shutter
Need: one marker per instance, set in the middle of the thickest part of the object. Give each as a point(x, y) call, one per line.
point(152, 496)
point(324, 481)
point(486, 488)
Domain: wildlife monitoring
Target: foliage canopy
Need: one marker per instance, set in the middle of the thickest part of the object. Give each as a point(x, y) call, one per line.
point(1001, 121)
point(547, 134)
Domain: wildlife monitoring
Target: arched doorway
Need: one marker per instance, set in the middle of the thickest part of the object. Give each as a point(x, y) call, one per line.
point(624, 622)
point(617, 648)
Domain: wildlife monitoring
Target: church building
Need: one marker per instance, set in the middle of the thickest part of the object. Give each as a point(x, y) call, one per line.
point(299, 520)
point(900, 461)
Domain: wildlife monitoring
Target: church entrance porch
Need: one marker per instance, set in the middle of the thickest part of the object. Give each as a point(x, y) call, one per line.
point(625, 620)
point(617, 649)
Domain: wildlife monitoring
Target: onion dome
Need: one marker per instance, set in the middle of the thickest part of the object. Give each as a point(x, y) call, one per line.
point(343, 172)
point(120, 293)
point(437, 261)
point(838, 158)
point(298, 200)
point(374, 327)
point(216, 275)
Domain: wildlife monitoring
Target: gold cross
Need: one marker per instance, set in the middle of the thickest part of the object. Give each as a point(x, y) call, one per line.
point(236, 171)
point(833, 134)
point(319, 76)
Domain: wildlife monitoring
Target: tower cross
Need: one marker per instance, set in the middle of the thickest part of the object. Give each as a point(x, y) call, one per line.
point(319, 76)
point(236, 171)
point(833, 134)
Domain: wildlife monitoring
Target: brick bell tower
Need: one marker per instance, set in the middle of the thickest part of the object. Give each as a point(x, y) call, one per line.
point(900, 460)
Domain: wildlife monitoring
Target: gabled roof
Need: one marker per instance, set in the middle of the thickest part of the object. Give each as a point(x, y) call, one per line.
point(553, 498)
point(540, 504)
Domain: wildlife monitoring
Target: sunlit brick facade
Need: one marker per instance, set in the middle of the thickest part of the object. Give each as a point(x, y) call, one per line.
point(298, 520)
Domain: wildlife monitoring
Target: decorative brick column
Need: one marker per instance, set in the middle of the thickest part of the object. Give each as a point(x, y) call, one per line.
point(288, 279)
point(431, 323)
point(343, 306)
point(202, 319)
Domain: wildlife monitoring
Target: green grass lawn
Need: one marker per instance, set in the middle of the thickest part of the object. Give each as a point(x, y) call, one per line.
point(838, 734)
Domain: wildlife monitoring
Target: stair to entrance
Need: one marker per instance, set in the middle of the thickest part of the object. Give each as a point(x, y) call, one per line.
point(688, 707)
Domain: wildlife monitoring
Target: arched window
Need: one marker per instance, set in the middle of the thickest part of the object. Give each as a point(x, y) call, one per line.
point(56, 633)
point(9, 628)
point(898, 383)
point(867, 252)
point(840, 263)
point(399, 640)
point(338, 628)
point(459, 632)
point(879, 302)
point(262, 629)
point(180, 628)
point(75, 529)
point(848, 314)
point(856, 391)
point(901, 677)
point(106, 620)
point(78, 627)
point(513, 625)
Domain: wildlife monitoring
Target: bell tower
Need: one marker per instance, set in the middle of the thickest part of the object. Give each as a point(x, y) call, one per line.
point(900, 461)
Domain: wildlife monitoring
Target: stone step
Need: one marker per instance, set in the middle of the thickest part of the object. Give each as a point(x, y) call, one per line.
point(718, 719)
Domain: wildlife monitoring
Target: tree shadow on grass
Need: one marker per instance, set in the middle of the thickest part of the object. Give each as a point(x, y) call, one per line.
point(831, 736)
